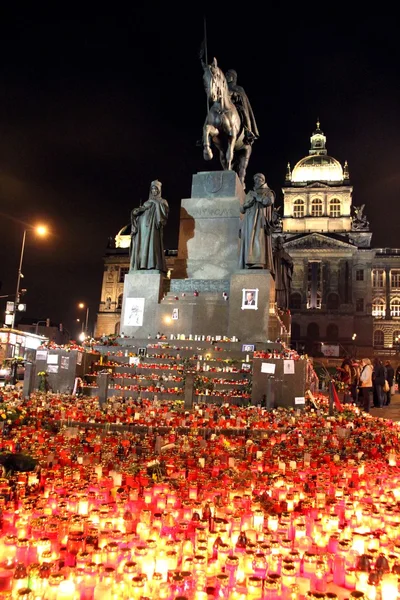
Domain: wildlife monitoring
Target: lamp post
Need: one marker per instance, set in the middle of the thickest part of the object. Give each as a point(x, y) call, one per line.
point(353, 337)
point(82, 305)
point(40, 230)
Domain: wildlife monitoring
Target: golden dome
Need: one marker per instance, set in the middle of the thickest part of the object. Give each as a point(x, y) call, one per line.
point(123, 237)
point(317, 167)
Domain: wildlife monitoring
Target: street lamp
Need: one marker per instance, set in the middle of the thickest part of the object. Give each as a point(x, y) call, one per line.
point(353, 337)
point(41, 230)
point(82, 305)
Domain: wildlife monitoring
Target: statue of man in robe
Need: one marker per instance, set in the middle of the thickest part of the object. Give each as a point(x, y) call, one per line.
point(255, 228)
point(283, 275)
point(147, 224)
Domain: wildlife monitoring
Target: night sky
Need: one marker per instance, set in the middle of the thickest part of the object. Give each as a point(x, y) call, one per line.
point(94, 106)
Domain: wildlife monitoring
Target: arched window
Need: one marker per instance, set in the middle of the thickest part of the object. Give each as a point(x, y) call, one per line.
point(395, 307)
point(298, 208)
point(378, 307)
point(295, 301)
point(379, 338)
point(295, 331)
point(396, 337)
point(332, 302)
point(119, 303)
point(332, 332)
point(316, 207)
point(117, 327)
point(312, 332)
point(334, 207)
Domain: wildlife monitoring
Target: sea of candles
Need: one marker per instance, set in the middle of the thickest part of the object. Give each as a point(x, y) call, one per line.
point(299, 505)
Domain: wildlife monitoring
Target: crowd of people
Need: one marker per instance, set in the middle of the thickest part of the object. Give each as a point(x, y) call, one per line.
point(369, 383)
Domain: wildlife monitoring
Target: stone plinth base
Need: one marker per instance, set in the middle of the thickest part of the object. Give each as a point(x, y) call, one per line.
point(205, 314)
point(142, 294)
point(250, 323)
point(279, 389)
point(209, 226)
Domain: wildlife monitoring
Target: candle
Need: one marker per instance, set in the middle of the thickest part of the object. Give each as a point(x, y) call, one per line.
point(66, 590)
point(389, 586)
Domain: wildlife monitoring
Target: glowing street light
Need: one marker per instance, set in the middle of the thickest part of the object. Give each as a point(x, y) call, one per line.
point(82, 336)
point(83, 305)
point(40, 230)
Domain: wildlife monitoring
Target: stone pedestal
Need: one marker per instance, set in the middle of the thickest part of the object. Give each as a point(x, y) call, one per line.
point(142, 294)
point(250, 323)
point(209, 226)
point(280, 389)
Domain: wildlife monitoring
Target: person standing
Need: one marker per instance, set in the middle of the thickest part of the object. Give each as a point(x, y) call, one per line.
point(397, 377)
point(390, 380)
point(346, 377)
point(355, 379)
point(378, 379)
point(366, 386)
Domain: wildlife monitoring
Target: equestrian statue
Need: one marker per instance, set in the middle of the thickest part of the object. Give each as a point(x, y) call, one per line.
point(230, 125)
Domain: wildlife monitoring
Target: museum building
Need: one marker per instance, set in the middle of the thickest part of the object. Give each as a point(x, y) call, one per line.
point(345, 294)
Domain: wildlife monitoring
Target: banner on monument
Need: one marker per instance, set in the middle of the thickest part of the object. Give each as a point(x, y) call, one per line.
point(134, 311)
point(330, 349)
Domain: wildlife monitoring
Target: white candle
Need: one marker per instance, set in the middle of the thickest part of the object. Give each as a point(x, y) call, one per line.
point(66, 590)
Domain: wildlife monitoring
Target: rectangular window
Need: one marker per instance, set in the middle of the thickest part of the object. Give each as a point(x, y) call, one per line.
point(122, 272)
point(395, 279)
point(360, 305)
point(360, 275)
point(378, 278)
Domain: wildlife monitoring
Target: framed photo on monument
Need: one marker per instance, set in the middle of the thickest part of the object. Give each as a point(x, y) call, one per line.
point(249, 299)
point(134, 310)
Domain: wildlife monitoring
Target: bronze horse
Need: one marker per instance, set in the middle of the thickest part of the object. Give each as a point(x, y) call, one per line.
point(223, 126)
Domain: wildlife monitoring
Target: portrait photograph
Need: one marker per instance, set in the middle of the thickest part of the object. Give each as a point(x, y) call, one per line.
point(249, 299)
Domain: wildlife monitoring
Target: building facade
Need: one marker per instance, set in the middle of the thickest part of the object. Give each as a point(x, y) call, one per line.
point(345, 294)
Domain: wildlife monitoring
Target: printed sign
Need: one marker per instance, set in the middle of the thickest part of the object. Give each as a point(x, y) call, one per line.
point(248, 347)
point(268, 368)
point(300, 400)
point(52, 359)
point(288, 367)
point(65, 362)
point(41, 355)
point(134, 311)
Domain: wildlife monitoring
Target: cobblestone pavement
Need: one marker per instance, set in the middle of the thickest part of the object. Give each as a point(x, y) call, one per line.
point(389, 412)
